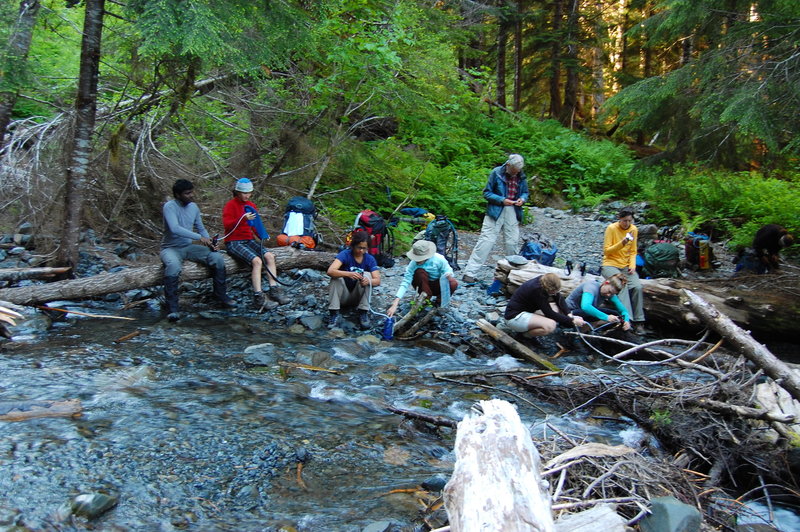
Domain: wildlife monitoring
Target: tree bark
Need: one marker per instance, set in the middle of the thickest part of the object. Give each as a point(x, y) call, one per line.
point(18, 274)
point(502, 38)
point(497, 482)
point(81, 146)
point(570, 109)
point(515, 347)
point(555, 61)
point(518, 57)
point(19, 43)
point(107, 283)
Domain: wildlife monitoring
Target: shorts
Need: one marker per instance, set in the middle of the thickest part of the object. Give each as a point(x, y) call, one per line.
point(245, 250)
point(520, 322)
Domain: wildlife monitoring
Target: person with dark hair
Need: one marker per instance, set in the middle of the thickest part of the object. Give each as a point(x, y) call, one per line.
point(354, 272)
point(505, 193)
point(537, 307)
point(426, 272)
point(619, 256)
point(593, 301)
point(182, 226)
point(767, 243)
point(241, 244)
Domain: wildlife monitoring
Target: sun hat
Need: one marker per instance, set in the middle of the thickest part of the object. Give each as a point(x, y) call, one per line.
point(421, 250)
point(243, 185)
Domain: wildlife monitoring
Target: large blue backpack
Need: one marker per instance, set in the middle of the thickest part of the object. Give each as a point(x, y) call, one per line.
point(297, 208)
point(542, 250)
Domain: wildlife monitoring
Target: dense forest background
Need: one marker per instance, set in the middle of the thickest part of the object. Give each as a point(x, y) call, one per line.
point(690, 106)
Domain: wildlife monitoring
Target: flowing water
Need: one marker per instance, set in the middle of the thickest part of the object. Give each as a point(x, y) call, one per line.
point(189, 435)
point(201, 425)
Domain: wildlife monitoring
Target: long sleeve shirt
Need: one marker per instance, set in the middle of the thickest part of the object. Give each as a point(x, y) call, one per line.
point(436, 266)
point(496, 190)
point(530, 297)
point(588, 298)
point(182, 224)
point(616, 251)
point(232, 214)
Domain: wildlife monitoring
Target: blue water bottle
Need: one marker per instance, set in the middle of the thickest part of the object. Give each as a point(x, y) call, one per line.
point(388, 329)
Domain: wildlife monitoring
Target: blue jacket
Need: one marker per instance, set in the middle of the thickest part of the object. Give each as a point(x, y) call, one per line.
point(495, 192)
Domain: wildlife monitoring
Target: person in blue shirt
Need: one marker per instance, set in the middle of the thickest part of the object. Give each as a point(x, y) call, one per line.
point(424, 273)
point(183, 226)
point(353, 274)
point(592, 301)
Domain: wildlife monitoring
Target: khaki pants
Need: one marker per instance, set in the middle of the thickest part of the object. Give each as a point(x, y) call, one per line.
point(506, 224)
point(340, 296)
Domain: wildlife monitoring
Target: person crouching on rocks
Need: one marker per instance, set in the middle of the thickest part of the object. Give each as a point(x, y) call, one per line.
point(538, 306)
point(592, 300)
point(241, 244)
point(353, 273)
point(424, 273)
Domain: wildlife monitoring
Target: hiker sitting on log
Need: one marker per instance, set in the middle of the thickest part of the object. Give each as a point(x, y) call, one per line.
point(239, 218)
point(592, 301)
point(182, 226)
point(619, 257)
point(767, 243)
point(426, 272)
point(537, 307)
point(353, 273)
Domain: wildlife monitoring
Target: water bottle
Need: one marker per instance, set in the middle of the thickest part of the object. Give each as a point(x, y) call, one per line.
point(388, 329)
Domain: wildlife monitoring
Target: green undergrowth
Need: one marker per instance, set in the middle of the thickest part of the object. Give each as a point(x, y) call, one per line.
point(724, 204)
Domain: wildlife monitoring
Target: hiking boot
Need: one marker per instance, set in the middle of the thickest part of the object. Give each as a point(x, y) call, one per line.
point(218, 284)
point(468, 279)
point(334, 320)
point(363, 319)
point(276, 294)
point(171, 297)
point(174, 316)
point(262, 302)
point(638, 328)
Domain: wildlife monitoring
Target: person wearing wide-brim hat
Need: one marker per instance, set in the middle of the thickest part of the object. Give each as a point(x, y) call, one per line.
point(424, 273)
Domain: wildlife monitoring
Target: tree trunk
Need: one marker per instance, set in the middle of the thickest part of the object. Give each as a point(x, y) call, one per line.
point(19, 43)
point(81, 146)
point(496, 483)
point(502, 38)
point(746, 345)
point(518, 57)
point(570, 109)
point(107, 283)
point(516, 348)
point(555, 61)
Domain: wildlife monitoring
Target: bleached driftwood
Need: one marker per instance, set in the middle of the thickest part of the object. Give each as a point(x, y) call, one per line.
point(516, 348)
point(22, 410)
point(496, 484)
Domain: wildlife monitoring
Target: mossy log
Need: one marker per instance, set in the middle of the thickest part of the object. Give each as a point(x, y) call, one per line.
point(132, 278)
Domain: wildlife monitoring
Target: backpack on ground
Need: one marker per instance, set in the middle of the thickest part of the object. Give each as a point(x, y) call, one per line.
point(661, 260)
point(299, 229)
point(538, 248)
point(381, 239)
point(442, 232)
point(698, 251)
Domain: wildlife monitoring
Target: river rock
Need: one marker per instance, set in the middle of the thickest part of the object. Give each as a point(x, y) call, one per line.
point(435, 483)
point(312, 322)
point(260, 354)
point(92, 505)
point(379, 526)
point(668, 514)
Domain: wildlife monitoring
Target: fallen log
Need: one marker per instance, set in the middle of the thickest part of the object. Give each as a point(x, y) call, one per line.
point(742, 342)
point(515, 347)
point(22, 410)
point(496, 483)
point(19, 274)
point(108, 283)
point(764, 312)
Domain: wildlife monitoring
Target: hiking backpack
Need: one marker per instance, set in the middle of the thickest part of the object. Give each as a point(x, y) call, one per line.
point(542, 250)
point(661, 260)
point(698, 251)
point(299, 229)
point(381, 241)
point(442, 232)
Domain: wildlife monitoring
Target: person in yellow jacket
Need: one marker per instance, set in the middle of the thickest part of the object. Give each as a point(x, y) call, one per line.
point(619, 256)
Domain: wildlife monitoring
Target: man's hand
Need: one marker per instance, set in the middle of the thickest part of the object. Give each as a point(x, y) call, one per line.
point(208, 243)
